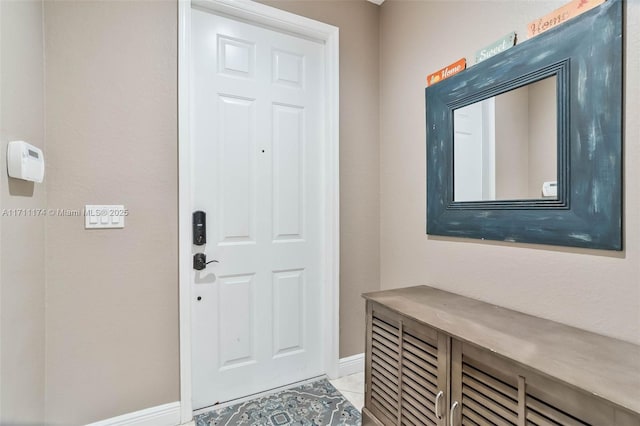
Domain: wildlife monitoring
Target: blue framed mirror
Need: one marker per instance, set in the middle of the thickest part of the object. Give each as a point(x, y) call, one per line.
point(527, 145)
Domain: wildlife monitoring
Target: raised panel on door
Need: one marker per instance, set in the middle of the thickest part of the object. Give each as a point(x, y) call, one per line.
point(288, 68)
point(289, 172)
point(236, 57)
point(236, 168)
point(288, 312)
point(236, 322)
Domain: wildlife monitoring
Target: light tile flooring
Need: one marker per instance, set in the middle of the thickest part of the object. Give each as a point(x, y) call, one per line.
point(352, 387)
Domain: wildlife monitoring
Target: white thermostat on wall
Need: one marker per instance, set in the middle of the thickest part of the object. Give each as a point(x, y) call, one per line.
point(550, 189)
point(25, 161)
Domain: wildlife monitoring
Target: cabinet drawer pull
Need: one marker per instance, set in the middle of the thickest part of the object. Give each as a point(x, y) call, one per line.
point(453, 409)
point(437, 404)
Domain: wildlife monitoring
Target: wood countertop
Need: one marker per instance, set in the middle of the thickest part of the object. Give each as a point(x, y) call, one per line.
point(600, 365)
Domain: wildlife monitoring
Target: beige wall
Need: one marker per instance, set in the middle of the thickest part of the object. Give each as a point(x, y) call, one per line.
point(111, 129)
point(22, 282)
point(512, 144)
point(359, 154)
point(543, 136)
point(594, 290)
point(526, 140)
point(112, 295)
point(112, 341)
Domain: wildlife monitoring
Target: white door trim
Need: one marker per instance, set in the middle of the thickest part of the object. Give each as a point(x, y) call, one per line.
point(259, 14)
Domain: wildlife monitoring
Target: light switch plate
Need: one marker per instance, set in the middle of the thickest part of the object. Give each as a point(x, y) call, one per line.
point(104, 216)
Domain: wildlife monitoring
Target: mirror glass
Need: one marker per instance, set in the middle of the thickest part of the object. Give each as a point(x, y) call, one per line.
point(505, 147)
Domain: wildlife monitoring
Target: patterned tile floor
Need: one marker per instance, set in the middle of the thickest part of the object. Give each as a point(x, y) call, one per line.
point(313, 404)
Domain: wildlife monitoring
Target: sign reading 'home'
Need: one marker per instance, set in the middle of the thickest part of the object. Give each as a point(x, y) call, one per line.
point(561, 15)
point(446, 72)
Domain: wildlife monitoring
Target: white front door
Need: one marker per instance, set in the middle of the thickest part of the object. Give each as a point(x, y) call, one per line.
point(474, 152)
point(256, 130)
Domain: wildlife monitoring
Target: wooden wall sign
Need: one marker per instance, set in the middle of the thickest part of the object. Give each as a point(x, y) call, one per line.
point(446, 72)
point(588, 210)
point(496, 47)
point(561, 15)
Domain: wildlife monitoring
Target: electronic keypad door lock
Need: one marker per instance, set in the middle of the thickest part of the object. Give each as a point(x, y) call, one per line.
point(199, 228)
point(200, 261)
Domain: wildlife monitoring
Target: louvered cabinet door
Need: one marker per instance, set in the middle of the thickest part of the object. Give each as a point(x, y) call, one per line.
point(481, 395)
point(382, 370)
point(490, 390)
point(541, 413)
point(423, 372)
point(406, 370)
point(550, 403)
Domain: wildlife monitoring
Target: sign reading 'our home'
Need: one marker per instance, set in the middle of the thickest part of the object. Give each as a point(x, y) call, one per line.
point(447, 72)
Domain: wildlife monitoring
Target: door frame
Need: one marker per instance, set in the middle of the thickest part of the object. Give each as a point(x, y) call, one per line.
point(264, 16)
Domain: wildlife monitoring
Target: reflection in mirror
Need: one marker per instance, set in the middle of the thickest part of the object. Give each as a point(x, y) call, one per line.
point(505, 147)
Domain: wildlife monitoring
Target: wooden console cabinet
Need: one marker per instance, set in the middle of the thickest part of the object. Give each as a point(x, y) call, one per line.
point(435, 358)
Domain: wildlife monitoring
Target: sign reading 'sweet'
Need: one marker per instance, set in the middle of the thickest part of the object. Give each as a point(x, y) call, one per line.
point(496, 47)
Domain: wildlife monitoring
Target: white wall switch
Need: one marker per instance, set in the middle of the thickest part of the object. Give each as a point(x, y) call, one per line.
point(103, 216)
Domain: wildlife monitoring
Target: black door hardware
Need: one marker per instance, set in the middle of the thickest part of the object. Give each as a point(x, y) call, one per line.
point(200, 261)
point(199, 228)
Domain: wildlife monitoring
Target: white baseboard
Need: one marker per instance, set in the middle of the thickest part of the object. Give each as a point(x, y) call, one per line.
point(169, 414)
point(162, 415)
point(351, 365)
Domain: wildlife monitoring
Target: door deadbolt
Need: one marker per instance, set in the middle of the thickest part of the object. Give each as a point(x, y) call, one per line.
point(200, 261)
point(199, 228)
